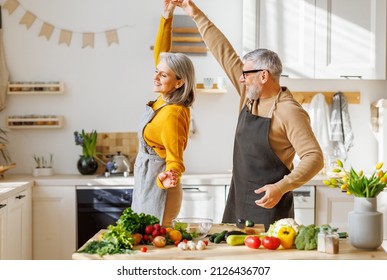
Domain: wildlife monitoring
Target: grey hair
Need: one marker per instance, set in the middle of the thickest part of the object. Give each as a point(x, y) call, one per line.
point(183, 68)
point(265, 59)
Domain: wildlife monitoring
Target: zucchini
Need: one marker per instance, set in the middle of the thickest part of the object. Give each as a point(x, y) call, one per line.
point(212, 237)
point(235, 240)
point(220, 237)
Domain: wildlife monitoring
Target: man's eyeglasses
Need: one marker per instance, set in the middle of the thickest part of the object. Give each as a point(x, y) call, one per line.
point(251, 71)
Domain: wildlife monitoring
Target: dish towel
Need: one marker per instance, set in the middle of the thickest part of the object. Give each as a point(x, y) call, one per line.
point(320, 121)
point(341, 129)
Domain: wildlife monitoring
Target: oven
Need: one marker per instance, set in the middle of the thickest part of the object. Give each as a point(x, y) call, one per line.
point(99, 207)
point(304, 205)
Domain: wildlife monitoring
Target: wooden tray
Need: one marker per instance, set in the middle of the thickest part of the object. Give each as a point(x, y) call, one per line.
point(4, 168)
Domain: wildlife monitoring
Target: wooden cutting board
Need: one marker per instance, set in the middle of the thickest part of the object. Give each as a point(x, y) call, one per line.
point(256, 229)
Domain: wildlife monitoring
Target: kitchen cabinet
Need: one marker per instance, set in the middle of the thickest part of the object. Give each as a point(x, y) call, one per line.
point(18, 244)
point(3, 222)
point(332, 207)
point(320, 39)
point(203, 202)
point(54, 222)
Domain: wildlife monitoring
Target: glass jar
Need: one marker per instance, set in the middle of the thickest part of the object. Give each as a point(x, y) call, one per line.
point(332, 242)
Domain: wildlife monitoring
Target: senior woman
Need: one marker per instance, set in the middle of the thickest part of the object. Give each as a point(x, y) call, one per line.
point(163, 130)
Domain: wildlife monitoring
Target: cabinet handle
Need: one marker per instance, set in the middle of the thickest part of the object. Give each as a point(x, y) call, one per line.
point(2, 205)
point(350, 77)
point(20, 196)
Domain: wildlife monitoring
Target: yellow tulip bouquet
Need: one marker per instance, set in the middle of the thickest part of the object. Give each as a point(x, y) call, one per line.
point(357, 183)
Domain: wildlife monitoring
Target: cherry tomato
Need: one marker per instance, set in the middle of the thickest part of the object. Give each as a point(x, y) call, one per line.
point(205, 242)
point(253, 242)
point(176, 243)
point(144, 249)
point(271, 242)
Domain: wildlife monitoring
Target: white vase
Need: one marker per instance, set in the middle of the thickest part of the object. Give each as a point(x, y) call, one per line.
point(43, 171)
point(365, 224)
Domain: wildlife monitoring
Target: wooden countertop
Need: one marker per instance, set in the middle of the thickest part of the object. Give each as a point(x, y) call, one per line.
point(226, 252)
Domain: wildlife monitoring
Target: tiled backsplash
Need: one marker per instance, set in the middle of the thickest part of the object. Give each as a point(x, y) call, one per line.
point(110, 143)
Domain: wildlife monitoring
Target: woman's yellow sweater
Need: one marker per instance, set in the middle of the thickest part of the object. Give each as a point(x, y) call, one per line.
point(167, 133)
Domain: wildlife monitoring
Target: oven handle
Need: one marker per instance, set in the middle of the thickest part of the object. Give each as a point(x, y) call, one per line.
point(102, 187)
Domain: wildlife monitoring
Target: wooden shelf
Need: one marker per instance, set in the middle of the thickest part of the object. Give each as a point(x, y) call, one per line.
point(200, 89)
point(27, 122)
point(307, 96)
point(30, 88)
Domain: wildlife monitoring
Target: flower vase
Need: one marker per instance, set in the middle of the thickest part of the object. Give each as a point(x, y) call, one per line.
point(87, 165)
point(365, 224)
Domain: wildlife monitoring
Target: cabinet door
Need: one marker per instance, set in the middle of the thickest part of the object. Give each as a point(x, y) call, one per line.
point(332, 207)
point(350, 39)
point(287, 27)
point(19, 227)
point(54, 222)
point(3, 222)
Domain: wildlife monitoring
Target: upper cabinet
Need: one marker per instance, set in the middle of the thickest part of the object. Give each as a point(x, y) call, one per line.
point(320, 39)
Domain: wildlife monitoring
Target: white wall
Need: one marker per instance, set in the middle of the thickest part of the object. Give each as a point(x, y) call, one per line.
point(106, 88)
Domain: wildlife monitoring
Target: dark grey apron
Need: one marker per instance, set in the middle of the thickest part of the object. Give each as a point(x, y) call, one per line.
point(254, 166)
point(148, 198)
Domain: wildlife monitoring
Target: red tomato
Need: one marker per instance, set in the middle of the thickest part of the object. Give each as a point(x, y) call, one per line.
point(271, 242)
point(143, 249)
point(163, 231)
point(205, 242)
point(149, 229)
point(253, 242)
point(157, 226)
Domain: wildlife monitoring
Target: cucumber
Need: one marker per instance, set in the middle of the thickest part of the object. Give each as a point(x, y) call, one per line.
point(212, 237)
point(235, 240)
point(220, 237)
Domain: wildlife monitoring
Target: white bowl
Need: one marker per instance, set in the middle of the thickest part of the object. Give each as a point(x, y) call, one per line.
point(197, 227)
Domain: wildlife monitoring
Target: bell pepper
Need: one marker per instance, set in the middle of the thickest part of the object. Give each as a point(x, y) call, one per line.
point(287, 235)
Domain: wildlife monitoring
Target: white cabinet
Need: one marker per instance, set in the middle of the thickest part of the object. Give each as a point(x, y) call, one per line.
point(332, 207)
point(54, 222)
point(18, 226)
point(321, 39)
point(203, 202)
point(3, 222)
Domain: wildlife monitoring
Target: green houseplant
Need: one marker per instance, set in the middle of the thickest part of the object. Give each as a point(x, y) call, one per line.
point(43, 166)
point(87, 163)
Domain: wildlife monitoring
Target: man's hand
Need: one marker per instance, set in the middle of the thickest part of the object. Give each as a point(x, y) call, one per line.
point(271, 198)
point(169, 7)
point(187, 5)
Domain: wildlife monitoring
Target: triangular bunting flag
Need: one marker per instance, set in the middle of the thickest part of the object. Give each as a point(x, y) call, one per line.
point(65, 37)
point(88, 40)
point(111, 37)
point(28, 19)
point(11, 5)
point(46, 30)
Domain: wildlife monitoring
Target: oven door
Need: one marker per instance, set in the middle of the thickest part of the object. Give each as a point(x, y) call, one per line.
point(98, 207)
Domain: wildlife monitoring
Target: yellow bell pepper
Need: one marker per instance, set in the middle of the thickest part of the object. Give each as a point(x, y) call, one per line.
point(287, 235)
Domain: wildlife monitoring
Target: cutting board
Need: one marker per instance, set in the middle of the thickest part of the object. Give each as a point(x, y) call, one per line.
point(256, 229)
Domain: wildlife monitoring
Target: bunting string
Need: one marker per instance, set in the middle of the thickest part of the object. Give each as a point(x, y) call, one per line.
point(65, 35)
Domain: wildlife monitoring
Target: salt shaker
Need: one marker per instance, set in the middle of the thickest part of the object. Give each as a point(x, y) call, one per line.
point(321, 236)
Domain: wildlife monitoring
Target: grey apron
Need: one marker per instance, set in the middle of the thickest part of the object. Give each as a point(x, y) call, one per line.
point(254, 166)
point(148, 198)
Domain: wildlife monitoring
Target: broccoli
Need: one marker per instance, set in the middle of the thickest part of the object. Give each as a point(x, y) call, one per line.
point(307, 238)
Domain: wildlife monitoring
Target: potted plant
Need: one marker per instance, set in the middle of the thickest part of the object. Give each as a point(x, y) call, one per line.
point(43, 167)
point(364, 221)
point(87, 163)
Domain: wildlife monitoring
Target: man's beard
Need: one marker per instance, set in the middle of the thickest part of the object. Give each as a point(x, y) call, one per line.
point(254, 92)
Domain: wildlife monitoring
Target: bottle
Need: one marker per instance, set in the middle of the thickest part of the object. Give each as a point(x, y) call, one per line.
point(321, 236)
point(332, 242)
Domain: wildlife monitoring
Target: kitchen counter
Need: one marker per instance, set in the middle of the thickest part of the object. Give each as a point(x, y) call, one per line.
point(226, 252)
point(9, 187)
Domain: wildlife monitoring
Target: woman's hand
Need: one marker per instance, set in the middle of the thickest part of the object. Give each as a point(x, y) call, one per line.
point(168, 179)
point(188, 6)
point(169, 7)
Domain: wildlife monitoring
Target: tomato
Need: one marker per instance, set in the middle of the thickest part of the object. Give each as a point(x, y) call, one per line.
point(205, 242)
point(137, 237)
point(157, 226)
point(155, 233)
point(143, 249)
point(252, 241)
point(271, 242)
point(163, 231)
point(149, 229)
